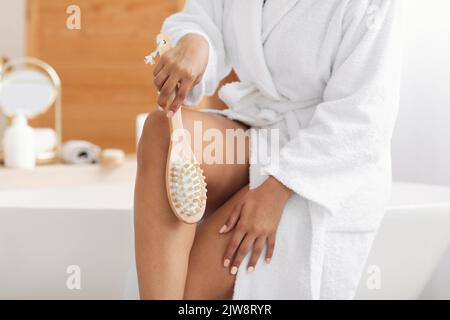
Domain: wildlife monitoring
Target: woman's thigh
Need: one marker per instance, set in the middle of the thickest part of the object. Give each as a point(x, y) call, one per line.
point(216, 139)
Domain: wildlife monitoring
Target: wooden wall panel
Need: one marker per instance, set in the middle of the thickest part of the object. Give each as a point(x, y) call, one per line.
point(105, 83)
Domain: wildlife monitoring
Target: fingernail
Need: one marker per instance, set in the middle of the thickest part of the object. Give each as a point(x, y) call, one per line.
point(250, 269)
point(160, 108)
point(226, 263)
point(223, 229)
point(268, 260)
point(234, 270)
point(170, 114)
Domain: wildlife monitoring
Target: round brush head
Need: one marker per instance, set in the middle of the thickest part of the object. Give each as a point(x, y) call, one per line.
point(187, 188)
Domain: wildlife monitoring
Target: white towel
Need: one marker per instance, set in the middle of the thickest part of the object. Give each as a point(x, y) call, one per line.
point(80, 152)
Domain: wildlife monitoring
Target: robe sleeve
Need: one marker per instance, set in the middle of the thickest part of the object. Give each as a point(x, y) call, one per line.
point(203, 17)
point(348, 139)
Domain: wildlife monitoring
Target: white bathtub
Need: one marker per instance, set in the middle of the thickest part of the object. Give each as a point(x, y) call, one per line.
point(43, 232)
point(412, 241)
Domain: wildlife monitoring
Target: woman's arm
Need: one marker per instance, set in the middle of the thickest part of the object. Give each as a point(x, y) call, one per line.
point(346, 144)
point(202, 69)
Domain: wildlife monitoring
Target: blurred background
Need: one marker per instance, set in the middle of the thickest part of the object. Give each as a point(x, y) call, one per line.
point(104, 80)
point(106, 86)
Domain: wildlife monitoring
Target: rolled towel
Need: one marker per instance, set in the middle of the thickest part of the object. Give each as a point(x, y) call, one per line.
point(80, 152)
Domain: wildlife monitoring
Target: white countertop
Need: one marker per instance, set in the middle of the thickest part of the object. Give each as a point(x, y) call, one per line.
point(63, 175)
point(69, 187)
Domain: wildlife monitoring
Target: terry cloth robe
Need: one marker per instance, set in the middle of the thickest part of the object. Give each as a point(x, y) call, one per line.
point(325, 74)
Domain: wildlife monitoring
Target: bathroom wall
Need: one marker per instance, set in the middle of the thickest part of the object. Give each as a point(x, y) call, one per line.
point(12, 27)
point(421, 147)
point(12, 33)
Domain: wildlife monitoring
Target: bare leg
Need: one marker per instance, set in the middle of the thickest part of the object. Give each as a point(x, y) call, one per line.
point(163, 243)
point(207, 278)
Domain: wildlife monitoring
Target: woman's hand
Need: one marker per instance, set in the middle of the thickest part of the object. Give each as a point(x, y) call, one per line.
point(179, 69)
point(255, 221)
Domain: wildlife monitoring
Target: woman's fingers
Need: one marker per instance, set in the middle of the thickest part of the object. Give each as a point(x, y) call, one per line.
point(257, 249)
point(162, 62)
point(232, 219)
point(244, 248)
point(233, 246)
point(174, 86)
point(160, 79)
point(174, 78)
point(168, 91)
point(183, 88)
point(270, 247)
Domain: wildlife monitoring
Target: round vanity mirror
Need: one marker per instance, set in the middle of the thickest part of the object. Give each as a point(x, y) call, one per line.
point(28, 92)
point(27, 86)
point(30, 87)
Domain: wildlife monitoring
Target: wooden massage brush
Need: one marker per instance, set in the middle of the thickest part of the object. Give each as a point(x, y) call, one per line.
point(185, 182)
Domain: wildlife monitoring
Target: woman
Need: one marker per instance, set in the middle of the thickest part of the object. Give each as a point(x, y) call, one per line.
point(325, 76)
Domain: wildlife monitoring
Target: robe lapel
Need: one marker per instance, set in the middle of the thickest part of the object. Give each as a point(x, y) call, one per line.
point(277, 10)
point(247, 26)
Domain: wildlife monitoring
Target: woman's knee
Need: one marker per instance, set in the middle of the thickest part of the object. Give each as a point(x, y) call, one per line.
point(155, 137)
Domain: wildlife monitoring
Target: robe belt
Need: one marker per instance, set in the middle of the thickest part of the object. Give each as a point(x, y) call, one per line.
point(248, 104)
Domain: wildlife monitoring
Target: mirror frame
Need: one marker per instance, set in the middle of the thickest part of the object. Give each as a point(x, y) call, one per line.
point(53, 76)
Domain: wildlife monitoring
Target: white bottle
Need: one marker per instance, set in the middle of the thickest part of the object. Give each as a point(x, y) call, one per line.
point(18, 144)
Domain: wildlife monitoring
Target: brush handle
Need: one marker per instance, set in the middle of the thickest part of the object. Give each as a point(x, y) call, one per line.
point(176, 122)
point(167, 45)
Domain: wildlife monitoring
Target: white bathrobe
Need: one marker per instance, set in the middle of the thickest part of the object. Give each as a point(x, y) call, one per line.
point(326, 74)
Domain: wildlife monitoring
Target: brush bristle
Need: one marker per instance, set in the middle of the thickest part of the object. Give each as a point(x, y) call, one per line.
point(187, 187)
